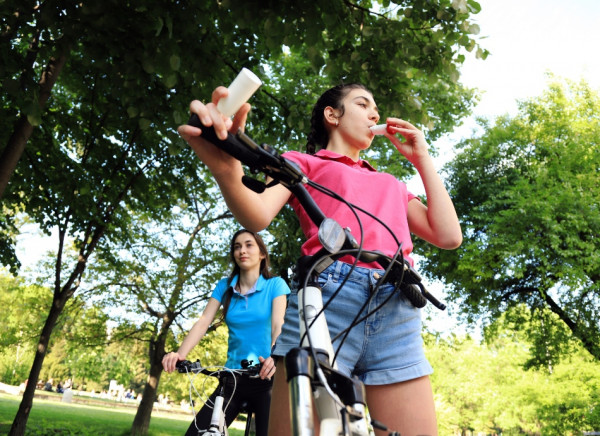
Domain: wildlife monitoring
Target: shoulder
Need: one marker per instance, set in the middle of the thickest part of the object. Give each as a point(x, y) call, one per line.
point(301, 159)
point(221, 287)
point(276, 285)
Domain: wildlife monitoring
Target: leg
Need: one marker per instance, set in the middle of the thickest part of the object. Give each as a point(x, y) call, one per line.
point(406, 407)
point(258, 405)
point(279, 415)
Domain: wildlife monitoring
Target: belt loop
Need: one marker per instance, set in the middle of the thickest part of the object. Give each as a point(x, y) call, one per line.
point(338, 271)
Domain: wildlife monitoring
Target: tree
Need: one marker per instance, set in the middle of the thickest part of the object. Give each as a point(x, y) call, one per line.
point(489, 387)
point(163, 274)
point(526, 192)
point(92, 92)
point(20, 326)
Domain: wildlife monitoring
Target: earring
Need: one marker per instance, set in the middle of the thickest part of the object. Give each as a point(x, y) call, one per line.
point(337, 123)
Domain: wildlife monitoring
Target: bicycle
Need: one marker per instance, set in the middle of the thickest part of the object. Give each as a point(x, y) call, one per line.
point(217, 426)
point(311, 369)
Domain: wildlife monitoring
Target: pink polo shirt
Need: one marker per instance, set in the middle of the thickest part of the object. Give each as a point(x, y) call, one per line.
point(381, 194)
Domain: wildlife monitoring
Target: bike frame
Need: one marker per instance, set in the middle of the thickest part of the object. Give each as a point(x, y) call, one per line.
point(217, 426)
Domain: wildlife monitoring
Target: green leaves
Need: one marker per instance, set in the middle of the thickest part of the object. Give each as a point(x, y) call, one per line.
point(527, 194)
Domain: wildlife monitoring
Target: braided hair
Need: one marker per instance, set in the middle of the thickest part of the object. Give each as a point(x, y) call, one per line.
point(319, 135)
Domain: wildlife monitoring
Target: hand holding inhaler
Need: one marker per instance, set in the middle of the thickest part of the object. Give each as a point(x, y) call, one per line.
point(241, 89)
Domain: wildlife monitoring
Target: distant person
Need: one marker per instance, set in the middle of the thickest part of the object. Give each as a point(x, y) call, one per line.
point(48, 385)
point(253, 307)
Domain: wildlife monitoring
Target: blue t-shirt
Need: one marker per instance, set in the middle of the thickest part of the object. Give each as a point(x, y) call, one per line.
point(249, 319)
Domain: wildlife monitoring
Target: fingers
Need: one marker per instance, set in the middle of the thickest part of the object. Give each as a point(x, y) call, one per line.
point(398, 122)
point(209, 115)
point(170, 360)
point(239, 120)
point(267, 369)
point(219, 93)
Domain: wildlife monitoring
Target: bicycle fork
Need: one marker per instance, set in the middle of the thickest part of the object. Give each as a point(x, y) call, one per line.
point(217, 420)
point(300, 370)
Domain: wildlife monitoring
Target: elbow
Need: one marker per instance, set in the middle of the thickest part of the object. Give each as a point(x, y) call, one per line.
point(253, 225)
point(451, 241)
point(454, 243)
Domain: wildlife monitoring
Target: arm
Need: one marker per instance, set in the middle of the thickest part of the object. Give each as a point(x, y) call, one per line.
point(194, 336)
point(253, 211)
point(277, 314)
point(437, 222)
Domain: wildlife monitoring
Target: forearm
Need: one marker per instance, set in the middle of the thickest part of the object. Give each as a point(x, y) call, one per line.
point(247, 206)
point(440, 213)
point(193, 338)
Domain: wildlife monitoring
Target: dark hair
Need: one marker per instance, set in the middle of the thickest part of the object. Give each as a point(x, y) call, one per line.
point(319, 135)
point(264, 265)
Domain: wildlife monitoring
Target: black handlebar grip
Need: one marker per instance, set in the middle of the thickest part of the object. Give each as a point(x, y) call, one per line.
point(232, 146)
point(414, 295)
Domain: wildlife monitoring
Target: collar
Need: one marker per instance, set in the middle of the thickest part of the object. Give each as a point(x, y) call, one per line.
point(330, 155)
point(258, 286)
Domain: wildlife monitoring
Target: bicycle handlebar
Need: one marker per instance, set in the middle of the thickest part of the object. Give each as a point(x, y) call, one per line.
point(264, 158)
point(185, 366)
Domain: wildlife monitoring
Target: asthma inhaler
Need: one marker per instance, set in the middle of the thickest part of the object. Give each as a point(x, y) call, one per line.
point(241, 89)
point(379, 129)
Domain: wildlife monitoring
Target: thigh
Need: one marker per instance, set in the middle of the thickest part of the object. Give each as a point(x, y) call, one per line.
point(258, 397)
point(279, 414)
point(406, 407)
point(233, 401)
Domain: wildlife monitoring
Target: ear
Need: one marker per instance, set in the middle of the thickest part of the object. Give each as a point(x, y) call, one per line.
point(331, 116)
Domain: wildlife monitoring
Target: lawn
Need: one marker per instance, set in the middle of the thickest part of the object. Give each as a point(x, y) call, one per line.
point(54, 418)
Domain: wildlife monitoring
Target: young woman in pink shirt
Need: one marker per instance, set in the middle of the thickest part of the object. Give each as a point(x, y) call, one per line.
point(386, 351)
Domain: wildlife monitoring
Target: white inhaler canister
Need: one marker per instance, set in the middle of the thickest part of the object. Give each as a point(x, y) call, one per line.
point(241, 89)
point(379, 129)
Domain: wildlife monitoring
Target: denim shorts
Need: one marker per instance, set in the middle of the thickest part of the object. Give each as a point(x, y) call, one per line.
point(385, 348)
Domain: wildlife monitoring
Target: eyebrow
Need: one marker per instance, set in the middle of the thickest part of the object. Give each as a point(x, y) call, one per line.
point(362, 97)
point(245, 241)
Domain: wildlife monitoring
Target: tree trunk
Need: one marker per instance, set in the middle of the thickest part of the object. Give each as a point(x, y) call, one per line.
point(16, 144)
point(141, 422)
point(20, 422)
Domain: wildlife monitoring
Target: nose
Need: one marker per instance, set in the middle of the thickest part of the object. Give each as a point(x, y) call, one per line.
point(374, 116)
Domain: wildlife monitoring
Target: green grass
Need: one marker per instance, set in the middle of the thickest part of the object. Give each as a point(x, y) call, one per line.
point(53, 418)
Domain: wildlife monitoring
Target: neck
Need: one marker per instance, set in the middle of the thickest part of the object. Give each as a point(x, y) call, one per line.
point(340, 147)
point(247, 280)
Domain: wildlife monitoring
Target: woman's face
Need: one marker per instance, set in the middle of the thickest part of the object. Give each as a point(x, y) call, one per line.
point(360, 113)
point(246, 252)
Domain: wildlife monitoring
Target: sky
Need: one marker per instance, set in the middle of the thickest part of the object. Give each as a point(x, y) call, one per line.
point(527, 39)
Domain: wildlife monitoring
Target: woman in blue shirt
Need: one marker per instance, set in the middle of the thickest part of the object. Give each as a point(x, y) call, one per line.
point(253, 309)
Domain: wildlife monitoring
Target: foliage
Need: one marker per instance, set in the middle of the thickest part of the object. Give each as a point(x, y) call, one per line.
point(527, 195)
point(92, 92)
point(125, 72)
point(21, 324)
point(485, 388)
point(164, 273)
point(211, 352)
